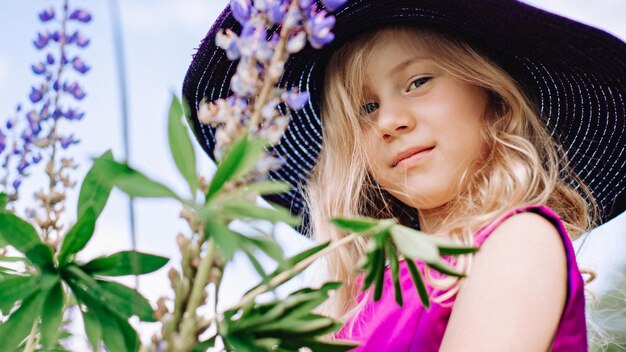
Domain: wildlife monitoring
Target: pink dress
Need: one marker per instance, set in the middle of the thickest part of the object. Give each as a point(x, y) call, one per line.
point(384, 326)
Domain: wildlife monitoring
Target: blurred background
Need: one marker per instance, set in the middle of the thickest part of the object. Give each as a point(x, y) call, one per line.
point(158, 39)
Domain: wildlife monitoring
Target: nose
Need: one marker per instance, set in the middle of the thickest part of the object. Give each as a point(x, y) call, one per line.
point(394, 119)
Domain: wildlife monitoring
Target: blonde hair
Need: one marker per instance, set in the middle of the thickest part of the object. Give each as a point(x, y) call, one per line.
point(524, 164)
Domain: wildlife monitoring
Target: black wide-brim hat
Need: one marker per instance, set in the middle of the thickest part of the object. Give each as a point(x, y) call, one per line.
point(575, 74)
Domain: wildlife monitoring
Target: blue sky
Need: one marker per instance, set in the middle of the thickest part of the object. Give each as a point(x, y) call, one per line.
point(159, 39)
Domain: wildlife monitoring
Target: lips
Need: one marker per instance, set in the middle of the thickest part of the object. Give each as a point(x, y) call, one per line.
point(407, 153)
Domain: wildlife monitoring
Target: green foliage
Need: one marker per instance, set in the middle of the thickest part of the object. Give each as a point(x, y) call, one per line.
point(36, 300)
point(181, 147)
point(4, 201)
point(125, 263)
point(386, 238)
point(17, 232)
point(284, 325)
point(240, 159)
point(95, 190)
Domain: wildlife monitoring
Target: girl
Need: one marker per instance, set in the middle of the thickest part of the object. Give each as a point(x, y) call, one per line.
point(491, 123)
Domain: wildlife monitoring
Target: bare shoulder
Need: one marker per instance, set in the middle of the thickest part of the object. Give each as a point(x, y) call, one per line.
point(515, 292)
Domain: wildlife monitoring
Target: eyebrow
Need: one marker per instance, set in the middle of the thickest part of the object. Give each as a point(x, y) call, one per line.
point(406, 63)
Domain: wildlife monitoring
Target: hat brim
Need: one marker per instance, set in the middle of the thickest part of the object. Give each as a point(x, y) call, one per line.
point(575, 74)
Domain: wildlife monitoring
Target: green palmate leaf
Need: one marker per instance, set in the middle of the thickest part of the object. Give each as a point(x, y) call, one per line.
point(41, 255)
point(17, 232)
point(380, 274)
point(242, 156)
point(419, 282)
point(19, 324)
point(15, 289)
point(4, 200)
point(444, 268)
point(375, 258)
point(93, 329)
point(358, 225)
point(395, 273)
point(78, 236)
point(181, 147)
point(96, 187)
point(267, 187)
point(117, 334)
point(119, 299)
point(125, 263)
point(451, 248)
point(52, 316)
point(292, 261)
point(414, 244)
point(246, 210)
point(133, 182)
point(128, 301)
point(267, 246)
point(228, 166)
point(226, 240)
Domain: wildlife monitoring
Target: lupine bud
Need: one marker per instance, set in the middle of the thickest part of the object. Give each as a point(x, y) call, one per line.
point(46, 15)
point(332, 5)
point(50, 59)
point(39, 68)
point(79, 65)
point(42, 40)
point(35, 95)
point(241, 10)
point(80, 15)
point(296, 42)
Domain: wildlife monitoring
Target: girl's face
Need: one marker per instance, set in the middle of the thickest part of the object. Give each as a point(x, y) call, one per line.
point(422, 126)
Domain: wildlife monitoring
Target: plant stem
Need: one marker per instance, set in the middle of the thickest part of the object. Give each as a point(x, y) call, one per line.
point(31, 342)
point(270, 82)
point(188, 326)
point(288, 274)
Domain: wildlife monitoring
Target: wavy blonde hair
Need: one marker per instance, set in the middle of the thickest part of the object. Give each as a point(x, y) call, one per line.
point(524, 164)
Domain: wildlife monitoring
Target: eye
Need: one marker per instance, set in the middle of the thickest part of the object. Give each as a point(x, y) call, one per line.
point(369, 108)
point(419, 82)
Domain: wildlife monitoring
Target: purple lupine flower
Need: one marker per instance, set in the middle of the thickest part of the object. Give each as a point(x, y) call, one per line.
point(38, 68)
point(79, 65)
point(35, 95)
point(27, 138)
point(75, 90)
point(318, 26)
point(73, 114)
point(332, 5)
point(3, 141)
point(275, 10)
point(67, 141)
point(56, 86)
point(56, 36)
point(241, 10)
point(80, 15)
point(33, 122)
point(228, 41)
point(57, 114)
point(42, 40)
point(81, 41)
point(50, 59)
point(10, 124)
point(295, 99)
point(304, 4)
point(36, 158)
point(16, 184)
point(44, 111)
point(64, 59)
point(47, 15)
point(21, 167)
point(296, 42)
